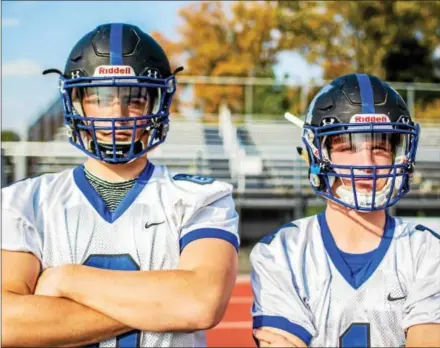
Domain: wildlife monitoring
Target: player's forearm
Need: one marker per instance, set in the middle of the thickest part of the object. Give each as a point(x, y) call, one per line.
point(423, 342)
point(158, 301)
point(42, 321)
point(423, 335)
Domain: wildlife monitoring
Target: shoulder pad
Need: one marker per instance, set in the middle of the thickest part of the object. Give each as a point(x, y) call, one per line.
point(424, 228)
point(197, 179)
point(267, 239)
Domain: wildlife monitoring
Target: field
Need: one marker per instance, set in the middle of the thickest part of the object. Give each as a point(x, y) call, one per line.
point(235, 330)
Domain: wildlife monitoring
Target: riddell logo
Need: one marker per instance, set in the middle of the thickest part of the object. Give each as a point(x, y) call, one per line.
point(369, 118)
point(111, 70)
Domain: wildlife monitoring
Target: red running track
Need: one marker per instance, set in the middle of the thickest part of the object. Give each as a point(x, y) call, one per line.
point(235, 330)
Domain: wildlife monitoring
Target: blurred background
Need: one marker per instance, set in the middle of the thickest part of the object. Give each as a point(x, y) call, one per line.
point(246, 64)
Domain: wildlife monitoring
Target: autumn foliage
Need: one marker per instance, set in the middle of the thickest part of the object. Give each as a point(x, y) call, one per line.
point(243, 38)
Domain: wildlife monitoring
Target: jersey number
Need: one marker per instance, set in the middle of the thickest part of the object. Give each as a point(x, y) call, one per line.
point(357, 335)
point(121, 263)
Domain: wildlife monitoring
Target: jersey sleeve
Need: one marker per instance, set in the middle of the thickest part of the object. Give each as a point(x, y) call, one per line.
point(18, 234)
point(217, 219)
point(422, 305)
point(19, 231)
point(277, 302)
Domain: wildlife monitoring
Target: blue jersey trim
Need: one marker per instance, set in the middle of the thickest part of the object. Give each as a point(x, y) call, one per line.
point(424, 228)
point(209, 233)
point(282, 324)
point(98, 203)
point(267, 239)
point(356, 280)
point(366, 91)
point(356, 261)
point(116, 44)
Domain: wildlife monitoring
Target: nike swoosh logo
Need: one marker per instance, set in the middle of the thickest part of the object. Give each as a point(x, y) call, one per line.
point(147, 225)
point(389, 298)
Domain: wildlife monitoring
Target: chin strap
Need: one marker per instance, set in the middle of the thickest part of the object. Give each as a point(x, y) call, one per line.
point(122, 148)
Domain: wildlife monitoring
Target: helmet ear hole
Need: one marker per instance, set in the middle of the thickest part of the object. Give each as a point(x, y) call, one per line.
point(317, 181)
point(318, 178)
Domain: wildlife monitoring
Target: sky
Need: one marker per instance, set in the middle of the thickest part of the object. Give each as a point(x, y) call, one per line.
point(38, 35)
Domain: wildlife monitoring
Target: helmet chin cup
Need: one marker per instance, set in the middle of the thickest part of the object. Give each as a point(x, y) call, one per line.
point(364, 201)
point(121, 149)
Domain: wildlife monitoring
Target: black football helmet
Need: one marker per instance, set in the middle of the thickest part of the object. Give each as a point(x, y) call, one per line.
point(352, 109)
point(117, 62)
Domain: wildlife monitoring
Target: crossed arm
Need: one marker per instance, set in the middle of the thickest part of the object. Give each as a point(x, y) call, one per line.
point(423, 335)
point(32, 320)
point(272, 337)
point(76, 305)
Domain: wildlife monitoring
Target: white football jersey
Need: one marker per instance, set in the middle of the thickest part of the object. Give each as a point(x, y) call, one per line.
point(302, 285)
point(62, 220)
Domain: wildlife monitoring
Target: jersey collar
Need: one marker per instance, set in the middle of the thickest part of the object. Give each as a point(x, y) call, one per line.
point(377, 256)
point(98, 203)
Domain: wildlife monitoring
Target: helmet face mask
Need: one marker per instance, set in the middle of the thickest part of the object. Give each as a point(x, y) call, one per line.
point(361, 160)
point(117, 89)
point(362, 149)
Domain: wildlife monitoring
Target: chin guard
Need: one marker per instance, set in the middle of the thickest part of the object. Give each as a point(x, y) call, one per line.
point(122, 149)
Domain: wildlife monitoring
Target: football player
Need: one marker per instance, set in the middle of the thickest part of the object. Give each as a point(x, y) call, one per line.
point(118, 251)
point(353, 275)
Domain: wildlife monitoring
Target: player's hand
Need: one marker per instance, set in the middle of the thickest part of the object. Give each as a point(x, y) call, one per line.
point(50, 281)
point(267, 338)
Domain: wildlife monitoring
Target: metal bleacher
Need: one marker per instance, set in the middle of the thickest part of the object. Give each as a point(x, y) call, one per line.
point(218, 161)
point(184, 150)
point(276, 144)
point(283, 169)
point(190, 148)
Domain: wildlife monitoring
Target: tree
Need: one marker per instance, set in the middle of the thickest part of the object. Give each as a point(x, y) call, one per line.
point(271, 100)
point(394, 40)
point(172, 50)
point(411, 62)
point(8, 135)
point(233, 39)
point(356, 35)
point(243, 39)
point(234, 45)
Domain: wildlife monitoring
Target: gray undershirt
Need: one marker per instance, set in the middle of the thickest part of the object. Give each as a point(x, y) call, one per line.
point(112, 193)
